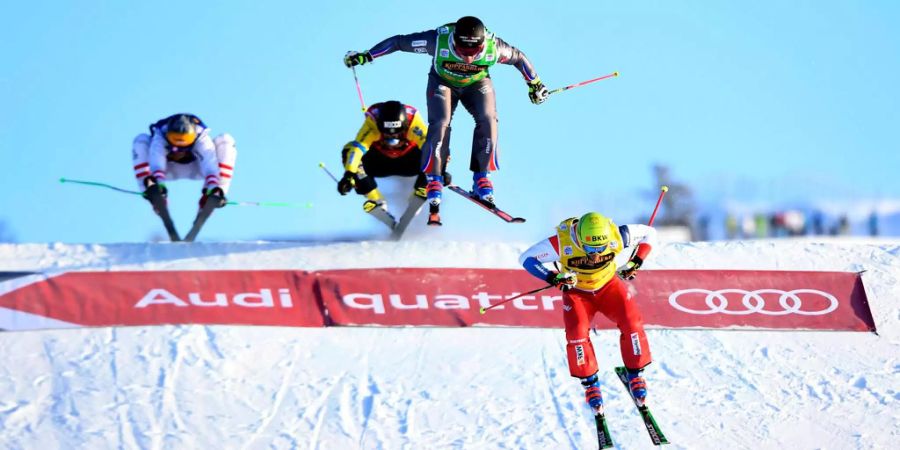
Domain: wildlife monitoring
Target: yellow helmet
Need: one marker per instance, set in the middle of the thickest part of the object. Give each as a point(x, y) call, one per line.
point(593, 231)
point(180, 131)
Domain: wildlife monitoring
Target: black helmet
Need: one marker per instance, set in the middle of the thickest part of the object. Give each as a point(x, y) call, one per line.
point(180, 131)
point(392, 121)
point(468, 36)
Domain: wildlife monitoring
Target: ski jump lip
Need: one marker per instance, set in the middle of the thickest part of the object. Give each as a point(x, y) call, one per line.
point(12, 281)
point(6, 276)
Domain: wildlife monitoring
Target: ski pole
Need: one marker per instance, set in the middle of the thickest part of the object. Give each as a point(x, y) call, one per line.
point(557, 90)
point(358, 90)
point(322, 165)
point(94, 183)
point(271, 204)
point(662, 193)
point(483, 310)
point(268, 204)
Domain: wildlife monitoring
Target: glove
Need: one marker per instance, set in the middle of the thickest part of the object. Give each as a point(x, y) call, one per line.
point(564, 281)
point(345, 184)
point(216, 195)
point(537, 92)
point(631, 267)
point(151, 181)
point(356, 58)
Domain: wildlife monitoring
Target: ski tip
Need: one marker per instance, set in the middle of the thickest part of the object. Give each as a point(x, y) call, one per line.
point(517, 220)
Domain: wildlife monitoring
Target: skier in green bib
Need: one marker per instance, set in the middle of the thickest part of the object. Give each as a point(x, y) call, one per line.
point(462, 52)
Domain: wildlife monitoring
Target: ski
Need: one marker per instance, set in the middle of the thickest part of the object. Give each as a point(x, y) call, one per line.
point(380, 212)
point(202, 215)
point(413, 208)
point(490, 207)
point(155, 196)
point(656, 435)
point(434, 215)
point(604, 439)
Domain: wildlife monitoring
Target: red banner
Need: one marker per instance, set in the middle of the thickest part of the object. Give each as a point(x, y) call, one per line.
point(437, 297)
point(754, 299)
point(668, 299)
point(176, 297)
point(429, 297)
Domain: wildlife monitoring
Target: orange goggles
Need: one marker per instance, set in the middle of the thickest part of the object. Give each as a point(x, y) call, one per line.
point(181, 139)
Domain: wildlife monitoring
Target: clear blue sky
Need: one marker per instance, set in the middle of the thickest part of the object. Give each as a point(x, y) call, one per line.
point(774, 101)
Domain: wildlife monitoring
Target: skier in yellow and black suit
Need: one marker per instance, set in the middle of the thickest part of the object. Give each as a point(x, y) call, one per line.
point(389, 143)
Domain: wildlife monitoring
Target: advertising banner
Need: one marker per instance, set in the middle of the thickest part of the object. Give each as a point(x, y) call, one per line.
point(445, 297)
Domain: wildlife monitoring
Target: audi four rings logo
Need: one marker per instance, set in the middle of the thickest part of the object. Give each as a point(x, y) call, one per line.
point(760, 301)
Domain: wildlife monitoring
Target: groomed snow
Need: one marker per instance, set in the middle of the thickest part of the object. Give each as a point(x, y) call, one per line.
point(341, 388)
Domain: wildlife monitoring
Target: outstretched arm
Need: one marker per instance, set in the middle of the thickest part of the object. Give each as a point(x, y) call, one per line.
point(543, 252)
point(642, 238)
point(421, 42)
point(514, 57)
point(508, 54)
point(354, 150)
point(157, 156)
point(534, 258)
point(205, 150)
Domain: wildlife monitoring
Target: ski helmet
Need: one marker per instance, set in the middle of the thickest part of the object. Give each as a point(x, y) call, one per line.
point(180, 131)
point(468, 36)
point(392, 122)
point(593, 232)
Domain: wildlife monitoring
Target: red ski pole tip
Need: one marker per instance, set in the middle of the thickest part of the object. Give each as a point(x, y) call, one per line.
point(615, 74)
point(481, 310)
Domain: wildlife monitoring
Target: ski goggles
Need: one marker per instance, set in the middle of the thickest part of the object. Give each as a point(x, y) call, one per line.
point(181, 139)
point(468, 46)
point(469, 51)
point(591, 249)
point(393, 137)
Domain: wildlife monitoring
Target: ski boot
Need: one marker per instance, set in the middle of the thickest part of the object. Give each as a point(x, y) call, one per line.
point(376, 206)
point(433, 189)
point(592, 393)
point(420, 187)
point(637, 385)
point(433, 195)
point(156, 193)
point(482, 187)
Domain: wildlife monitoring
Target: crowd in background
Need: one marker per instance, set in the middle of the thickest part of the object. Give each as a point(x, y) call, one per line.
point(783, 224)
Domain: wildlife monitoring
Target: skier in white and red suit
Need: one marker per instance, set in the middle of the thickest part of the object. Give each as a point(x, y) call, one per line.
point(587, 248)
point(180, 147)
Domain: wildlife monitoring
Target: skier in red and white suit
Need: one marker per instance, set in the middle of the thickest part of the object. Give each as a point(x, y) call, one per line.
point(180, 147)
point(587, 248)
